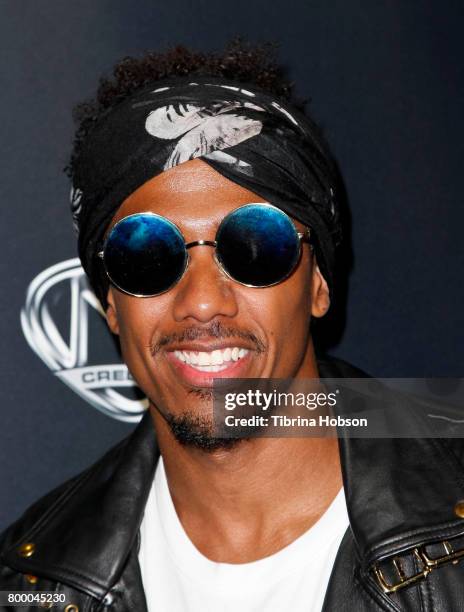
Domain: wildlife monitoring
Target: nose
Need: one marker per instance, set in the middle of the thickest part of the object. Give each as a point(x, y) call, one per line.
point(204, 292)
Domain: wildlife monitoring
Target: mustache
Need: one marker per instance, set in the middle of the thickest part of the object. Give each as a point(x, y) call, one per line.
point(215, 330)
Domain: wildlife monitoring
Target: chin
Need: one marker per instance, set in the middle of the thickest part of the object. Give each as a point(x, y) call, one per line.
point(196, 431)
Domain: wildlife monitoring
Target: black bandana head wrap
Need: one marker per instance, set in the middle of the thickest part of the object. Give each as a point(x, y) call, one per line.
point(250, 138)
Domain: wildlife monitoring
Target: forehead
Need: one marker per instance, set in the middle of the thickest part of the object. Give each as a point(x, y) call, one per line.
point(192, 195)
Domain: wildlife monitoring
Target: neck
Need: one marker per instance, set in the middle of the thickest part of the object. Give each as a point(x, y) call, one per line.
point(249, 501)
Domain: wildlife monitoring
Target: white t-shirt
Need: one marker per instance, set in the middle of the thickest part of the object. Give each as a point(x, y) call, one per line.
point(178, 578)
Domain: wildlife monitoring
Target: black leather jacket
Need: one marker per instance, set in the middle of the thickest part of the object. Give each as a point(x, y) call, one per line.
point(82, 538)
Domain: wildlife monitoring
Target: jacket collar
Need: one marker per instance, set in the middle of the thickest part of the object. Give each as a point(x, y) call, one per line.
point(399, 493)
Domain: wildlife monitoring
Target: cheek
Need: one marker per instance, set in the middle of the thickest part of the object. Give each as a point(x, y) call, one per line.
point(137, 322)
point(293, 299)
point(283, 311)
point(292, 322)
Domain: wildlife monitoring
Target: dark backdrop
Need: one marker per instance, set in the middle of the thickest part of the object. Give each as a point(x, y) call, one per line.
point(386, 81)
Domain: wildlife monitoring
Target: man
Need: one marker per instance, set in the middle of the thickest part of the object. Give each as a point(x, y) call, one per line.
point(207, 208)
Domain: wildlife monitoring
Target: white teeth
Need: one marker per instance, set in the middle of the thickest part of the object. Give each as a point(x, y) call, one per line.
point(212, 361)
point(211, 368)
point(216, 357)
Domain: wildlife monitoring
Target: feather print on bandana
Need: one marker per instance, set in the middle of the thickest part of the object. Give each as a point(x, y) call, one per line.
point(202, 131)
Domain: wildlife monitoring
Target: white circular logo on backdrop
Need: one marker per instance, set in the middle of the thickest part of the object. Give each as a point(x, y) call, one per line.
point(67, 354)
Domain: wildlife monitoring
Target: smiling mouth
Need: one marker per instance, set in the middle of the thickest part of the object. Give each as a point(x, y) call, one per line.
point(211, 361)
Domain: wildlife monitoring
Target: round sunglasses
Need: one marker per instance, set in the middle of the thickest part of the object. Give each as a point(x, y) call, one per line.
point(256, 245)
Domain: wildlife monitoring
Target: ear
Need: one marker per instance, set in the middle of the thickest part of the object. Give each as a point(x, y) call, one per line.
point(320, 295)
point(111, 314)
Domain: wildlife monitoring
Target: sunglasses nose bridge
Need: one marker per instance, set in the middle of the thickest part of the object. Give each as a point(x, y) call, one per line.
point(203, 293)
point(210, 243)
point(195, 243)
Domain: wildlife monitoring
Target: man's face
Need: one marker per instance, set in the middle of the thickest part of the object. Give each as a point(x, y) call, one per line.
point(167, 341)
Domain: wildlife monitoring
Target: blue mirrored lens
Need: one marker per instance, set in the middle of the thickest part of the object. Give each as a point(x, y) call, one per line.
point(258, 245)
point(145, 254)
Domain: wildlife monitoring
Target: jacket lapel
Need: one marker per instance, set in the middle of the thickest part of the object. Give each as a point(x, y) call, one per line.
point(87, 534)
point(400, 494)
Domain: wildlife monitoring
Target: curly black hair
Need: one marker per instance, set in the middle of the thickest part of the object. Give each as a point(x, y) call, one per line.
point(239, 61)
